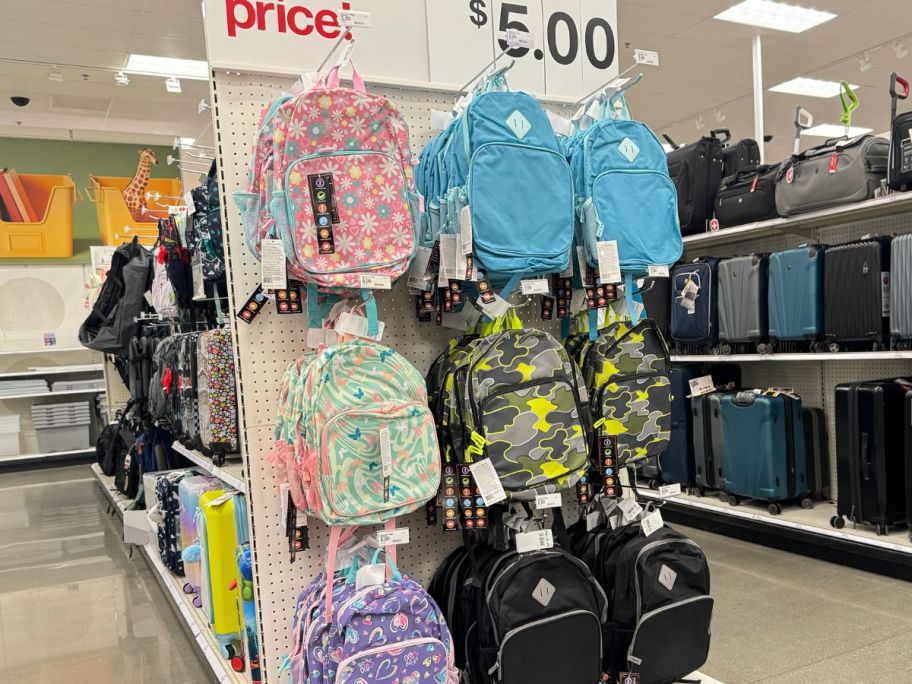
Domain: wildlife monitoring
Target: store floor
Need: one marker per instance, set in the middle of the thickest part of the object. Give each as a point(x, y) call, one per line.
point(75, 608)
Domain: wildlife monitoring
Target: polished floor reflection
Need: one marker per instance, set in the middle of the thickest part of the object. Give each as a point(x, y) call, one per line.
point(74, 607)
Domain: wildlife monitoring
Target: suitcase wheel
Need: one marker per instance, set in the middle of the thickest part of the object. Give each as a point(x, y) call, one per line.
point(807, 504)
point(723, 497)
point(715, 351)
point(188, 588)
point(653, 484)
point(726, 349)
point(825, 494)
point(881, 530)
point(875, 346)
point(237, 664)
point(837, 521)
point(733, 500)
point(775, 508)
point(699, 491)
point(833, 347)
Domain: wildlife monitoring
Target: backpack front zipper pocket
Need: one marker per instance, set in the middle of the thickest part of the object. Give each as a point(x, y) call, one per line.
point(415, 660)
point(637, 411)
point(672, 641)
point(534, 432)
point(359, 477)
point(575, 635)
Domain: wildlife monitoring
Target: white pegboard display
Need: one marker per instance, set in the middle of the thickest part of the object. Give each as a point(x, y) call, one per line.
point(271, 342)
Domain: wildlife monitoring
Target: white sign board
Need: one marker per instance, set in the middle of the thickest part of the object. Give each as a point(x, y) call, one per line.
point(424, 43)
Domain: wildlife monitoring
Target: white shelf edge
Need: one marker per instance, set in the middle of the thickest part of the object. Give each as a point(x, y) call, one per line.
point(776, 521)
point(50, 454)
point(52, 394)
point(93, 368)
point(205, 463)
point(849, 213)
point(808, 357)
point(46, 350)
point(205, 641)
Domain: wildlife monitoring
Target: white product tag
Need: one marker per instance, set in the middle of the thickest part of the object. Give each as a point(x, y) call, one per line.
point(320, 336)
point(548, 500)
point(274, 274)
point(518, 39)
point(417, 277)
point(652, 522)
point(593, 520)
point(440, 120)
point(609, 263)
point(148, 296)
point(136, 528)
point(614, 521)
point(375, 282)
point(647, 57)
point(352, 324)
point(689, 296)
point(534, 541)
point(495, 309)
point(535, 286)
point(702, 385)
point(196, 274)
point(560, 125)
point(400, 535)
point(465, 230)
point(667, 577)
point(452, 260)
point(885, 294)
point(354, 19)
point(370, 575)
point(454, 321)
point(595, 109)
point(657, 271)
point(544, 592)
point(189, 203)
point(386, 452)
point(488, 482)
point(577, 301)
point(667, 491)
point(470, 315)
point(581, 261)
point(638, 310)
point(630, 508)
point(283, 496)
point(568, 272)
point(223, 499)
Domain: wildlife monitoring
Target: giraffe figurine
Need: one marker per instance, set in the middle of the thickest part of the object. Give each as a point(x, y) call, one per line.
point(135, 192)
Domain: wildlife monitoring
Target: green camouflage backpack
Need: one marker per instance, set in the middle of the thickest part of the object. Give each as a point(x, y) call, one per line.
point(441, 386)
point(527, 411)
point(626, 374)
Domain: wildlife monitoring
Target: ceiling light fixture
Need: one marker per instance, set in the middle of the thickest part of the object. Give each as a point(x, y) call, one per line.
point(168, 66)
point(121, 79)
point(901, 50)
point(812, 87)
point(775, 15)
point(864, 64)
point(55, 74)
point(172, 85)
point(834, 131)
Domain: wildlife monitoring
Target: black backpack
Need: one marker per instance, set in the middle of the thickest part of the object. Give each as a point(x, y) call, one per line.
point(127, 472)
point(533, 599)
point(111, 324)
point(163, 400)
point(696, 170)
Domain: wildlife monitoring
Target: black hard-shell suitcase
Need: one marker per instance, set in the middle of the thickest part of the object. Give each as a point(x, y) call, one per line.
point(907, 403)
point(696, 170)
point(747, 196)
point(709, 447)
point(743, 304)
point(899, 166)
point(817, 450)
point(870, 458)
point(857, 294)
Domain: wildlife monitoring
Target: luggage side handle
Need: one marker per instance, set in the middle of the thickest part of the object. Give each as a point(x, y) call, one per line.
point(865, 457)
point(896, 95)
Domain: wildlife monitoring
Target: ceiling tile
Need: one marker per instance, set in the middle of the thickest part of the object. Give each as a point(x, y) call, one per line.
point(85, 16)
point(80, 102)
point(184, 28)
point(168, 47)
point(653, 20)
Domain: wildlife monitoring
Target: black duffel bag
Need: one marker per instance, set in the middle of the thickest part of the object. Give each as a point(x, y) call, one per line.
point(747, 196)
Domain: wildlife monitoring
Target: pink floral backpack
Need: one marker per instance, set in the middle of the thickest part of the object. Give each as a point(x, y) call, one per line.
point(343, 189)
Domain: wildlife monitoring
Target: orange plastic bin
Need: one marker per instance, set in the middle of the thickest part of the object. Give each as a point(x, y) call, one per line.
point(115, 223)
point(52, 236)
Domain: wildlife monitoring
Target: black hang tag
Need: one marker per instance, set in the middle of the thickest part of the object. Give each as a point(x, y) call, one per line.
point(547, 308)
point(430, 512)
point(449, 497)
point(253, 307)
point(583, 491)
point(589, 276)
point(485, 293)
point(563, 289)
point(600, 296)
point(421, 301)
point(470, 267)
point(607, 455)
point(433, 267)
point(628, 678)
point(474, 511)
point(288, 301)
point(326, 214)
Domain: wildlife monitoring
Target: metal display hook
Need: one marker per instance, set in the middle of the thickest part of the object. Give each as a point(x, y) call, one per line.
point(487, 66)
point(606, 84)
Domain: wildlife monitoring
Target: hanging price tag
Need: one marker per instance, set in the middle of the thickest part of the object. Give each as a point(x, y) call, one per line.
point(372, 281)
point(465, 230)
point(702, 385)
point(548, 500)
point(667, 491)
point(647, 57)
point(418, 277)
point(657, 271)
point(354, 19)
point(535, 286)
point(488, 482)
point(609, 263)
point(273, 265)
point(534, 541)
point(652, 522)
point(400, 535)
point(630, 508)
point(518, 39)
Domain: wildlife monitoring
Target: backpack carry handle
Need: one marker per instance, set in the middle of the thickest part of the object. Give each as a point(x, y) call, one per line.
point(332, 79)
point(716, 132)
point(849, 101)
point(671, 142)
point(896, 95)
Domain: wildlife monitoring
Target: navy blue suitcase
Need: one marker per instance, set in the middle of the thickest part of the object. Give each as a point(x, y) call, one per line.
point(795, 293)
point(694, 305)
point(677, 463)
point(764, 443)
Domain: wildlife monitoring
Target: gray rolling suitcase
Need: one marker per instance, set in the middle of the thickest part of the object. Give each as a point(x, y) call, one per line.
point(901, 292)
point(743, 304)
point(708, 441)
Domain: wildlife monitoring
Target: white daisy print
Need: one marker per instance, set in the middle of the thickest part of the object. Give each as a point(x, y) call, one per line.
point(389, 166)
point(398, 218)
point(362, 100)
point(370, 202)
point(396, 124)
point(401, 237)
point(344, 243)
point(387, 193)
point(344, 183)
point(368, 224)
point(357, 125)
point(338, 134)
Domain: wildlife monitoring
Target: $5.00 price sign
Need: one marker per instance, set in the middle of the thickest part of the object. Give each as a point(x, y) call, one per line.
point(574, 42)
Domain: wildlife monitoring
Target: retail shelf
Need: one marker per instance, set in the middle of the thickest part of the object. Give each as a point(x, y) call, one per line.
point(231, 473)
point(860, 211)
point(49, 455)
point(45, 350)
point(32, 395)
point(807, 357)
point(63, 370)
point(193, 618)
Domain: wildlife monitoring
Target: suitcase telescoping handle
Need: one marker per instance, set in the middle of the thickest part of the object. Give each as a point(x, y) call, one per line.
point(897, 94)
point(803, 120)
point(716, 132)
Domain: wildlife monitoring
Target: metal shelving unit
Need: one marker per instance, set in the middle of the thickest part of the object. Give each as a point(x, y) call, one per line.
point(231, 473)
point(794, 358)
point(65, 370)
point(33, 395)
